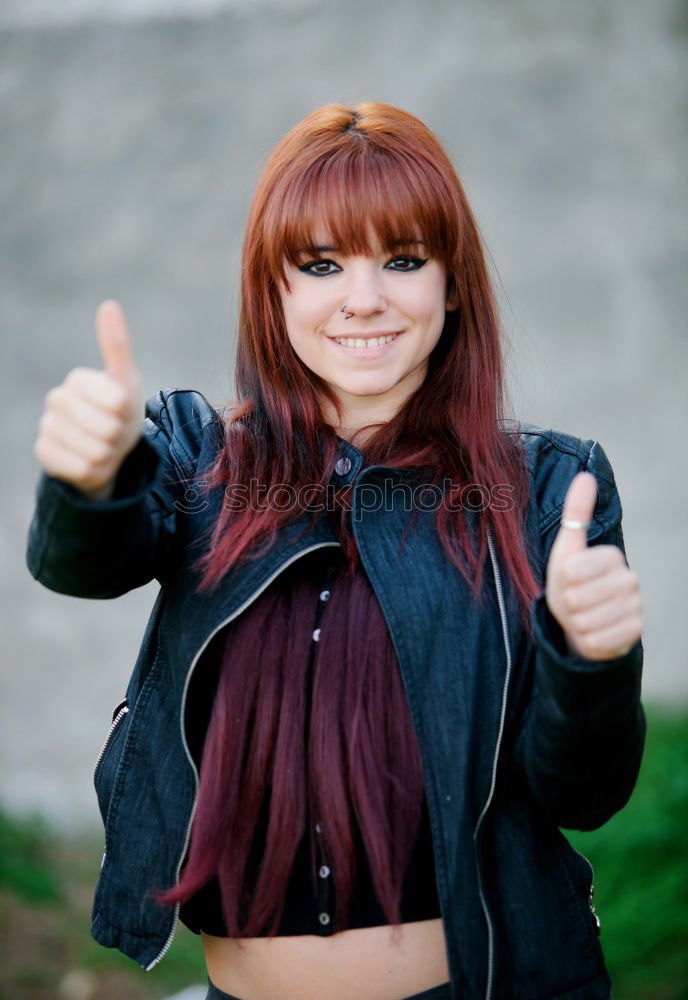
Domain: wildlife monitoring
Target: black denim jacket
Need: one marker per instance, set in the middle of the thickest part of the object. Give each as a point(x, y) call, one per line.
point(517, 737)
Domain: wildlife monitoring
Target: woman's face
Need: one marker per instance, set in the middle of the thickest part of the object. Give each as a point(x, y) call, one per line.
point(379, 355)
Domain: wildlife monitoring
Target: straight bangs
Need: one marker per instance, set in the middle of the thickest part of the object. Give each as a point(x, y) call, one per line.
point(355, 195)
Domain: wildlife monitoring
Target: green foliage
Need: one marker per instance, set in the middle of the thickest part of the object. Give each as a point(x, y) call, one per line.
point(46, 887)
point(26, 865)
point(641, 871)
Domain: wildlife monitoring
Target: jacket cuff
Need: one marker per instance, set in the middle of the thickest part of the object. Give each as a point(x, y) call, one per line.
point(550, 638)
point(136, 475)
point(67, 527)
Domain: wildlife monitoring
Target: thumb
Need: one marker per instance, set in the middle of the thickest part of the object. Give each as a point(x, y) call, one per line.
point(579, 507)
point(114, 341)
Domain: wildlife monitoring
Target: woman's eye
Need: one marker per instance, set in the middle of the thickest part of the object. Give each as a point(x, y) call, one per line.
point(319, 267)
point(406, 263)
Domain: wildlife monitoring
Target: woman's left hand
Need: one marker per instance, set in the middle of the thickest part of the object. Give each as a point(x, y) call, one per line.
point(591, 591)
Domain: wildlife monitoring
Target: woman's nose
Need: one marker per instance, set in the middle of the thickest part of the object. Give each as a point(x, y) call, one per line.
point(365, 293)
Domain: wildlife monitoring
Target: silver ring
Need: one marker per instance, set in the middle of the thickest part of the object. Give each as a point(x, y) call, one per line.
point(566, 522)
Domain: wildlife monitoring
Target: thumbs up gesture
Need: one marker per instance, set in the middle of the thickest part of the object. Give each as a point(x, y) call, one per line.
point(93, 420)
point(591, 592)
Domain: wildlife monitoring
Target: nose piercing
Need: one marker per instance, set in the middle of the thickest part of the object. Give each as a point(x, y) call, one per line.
point(348, 314)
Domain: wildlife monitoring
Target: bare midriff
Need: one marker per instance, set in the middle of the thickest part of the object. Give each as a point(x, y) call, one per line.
point(368, 963)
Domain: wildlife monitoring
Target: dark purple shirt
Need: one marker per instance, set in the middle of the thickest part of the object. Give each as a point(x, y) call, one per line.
point(310, 903)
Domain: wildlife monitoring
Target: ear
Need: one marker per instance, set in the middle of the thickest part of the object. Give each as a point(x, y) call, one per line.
point(452, 296)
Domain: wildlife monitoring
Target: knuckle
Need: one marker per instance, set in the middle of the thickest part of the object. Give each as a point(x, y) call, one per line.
point(53, 396)
point(586, 646)
point(111, 429)
point(44, 421)
point(570, 600)
point(39, 449)
point(102, 452)
point(580, 621)
point(83, 469)
point(75, 377)
point(110, 433)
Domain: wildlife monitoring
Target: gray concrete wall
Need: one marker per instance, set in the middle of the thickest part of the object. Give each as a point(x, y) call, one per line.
point(131, 142)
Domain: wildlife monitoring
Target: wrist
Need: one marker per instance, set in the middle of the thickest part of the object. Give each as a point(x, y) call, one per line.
point(103, 492)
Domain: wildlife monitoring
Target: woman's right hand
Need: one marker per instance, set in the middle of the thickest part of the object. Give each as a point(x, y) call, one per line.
point(93, 420)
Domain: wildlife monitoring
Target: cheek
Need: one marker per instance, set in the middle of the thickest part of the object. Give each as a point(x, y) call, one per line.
point(429, 304)
point(302, 326)
point(303, 312)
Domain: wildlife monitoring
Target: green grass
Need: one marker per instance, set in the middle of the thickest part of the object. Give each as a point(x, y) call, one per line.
point(46, 887)
point(640, 859)
point(26, 866)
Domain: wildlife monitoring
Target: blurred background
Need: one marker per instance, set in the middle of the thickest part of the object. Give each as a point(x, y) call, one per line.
point(132, 134)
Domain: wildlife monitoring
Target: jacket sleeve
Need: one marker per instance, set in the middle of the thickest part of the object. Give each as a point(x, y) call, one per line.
point(583, 733)
point(104, 548)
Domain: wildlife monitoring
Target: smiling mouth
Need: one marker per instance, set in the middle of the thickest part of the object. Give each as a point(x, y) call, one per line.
point(366, 342)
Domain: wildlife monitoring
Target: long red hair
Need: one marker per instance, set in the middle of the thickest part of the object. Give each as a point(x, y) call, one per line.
point(368, 170)
point(290, 743)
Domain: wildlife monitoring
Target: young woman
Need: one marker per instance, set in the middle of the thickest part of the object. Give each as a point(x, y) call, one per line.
point(396, 644)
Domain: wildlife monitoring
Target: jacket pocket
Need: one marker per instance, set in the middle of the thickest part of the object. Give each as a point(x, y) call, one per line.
point(108, 758)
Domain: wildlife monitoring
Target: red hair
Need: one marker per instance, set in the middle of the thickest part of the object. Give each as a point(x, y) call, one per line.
point(368, 170)
point(350, 760)
point(361, 173)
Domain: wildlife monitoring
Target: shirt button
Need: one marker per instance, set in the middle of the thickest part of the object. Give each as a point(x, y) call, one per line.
point(324, 919)
point(323, 871)
point(318, 827)
point(342, 466)
point(316, 635)
point(324, 595)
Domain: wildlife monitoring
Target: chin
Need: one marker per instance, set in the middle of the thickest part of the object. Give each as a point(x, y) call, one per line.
point(369, 388)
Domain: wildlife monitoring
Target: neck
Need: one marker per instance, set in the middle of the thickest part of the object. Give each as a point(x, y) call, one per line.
point(357, 424)
point(361, 416)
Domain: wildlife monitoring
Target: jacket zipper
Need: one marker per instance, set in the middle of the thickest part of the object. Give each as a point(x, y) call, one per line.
point(591, 890)
point(120, 712)
point(495, 760)
point(189, 673)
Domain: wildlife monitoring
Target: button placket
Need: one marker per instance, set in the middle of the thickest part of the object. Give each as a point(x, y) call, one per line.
point(324, 887)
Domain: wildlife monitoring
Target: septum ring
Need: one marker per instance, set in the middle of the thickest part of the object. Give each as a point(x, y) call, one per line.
point(348, 314)
point(567, 522)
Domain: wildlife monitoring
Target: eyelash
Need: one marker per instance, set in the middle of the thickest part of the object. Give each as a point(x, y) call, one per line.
point(309, 267)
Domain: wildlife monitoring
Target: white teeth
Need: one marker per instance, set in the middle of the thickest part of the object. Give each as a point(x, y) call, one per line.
point(360, 342)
